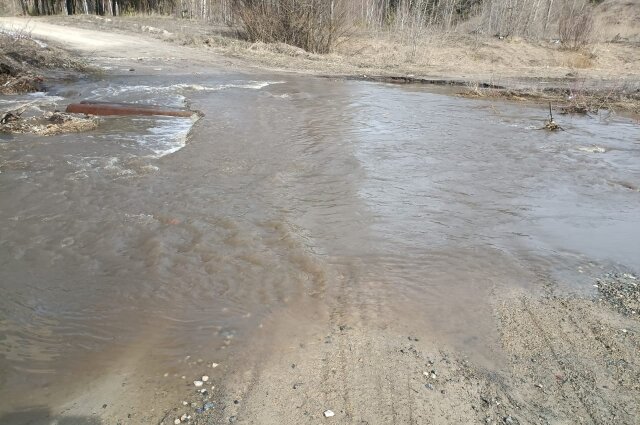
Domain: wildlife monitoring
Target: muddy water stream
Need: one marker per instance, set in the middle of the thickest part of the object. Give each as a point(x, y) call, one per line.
point(151, 239)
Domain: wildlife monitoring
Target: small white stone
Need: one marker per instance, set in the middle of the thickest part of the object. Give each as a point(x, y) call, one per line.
point(198, 383)
point(214, 364)
point(177, 421)
point(166, 374)
point(184, 417)
point(328, 413)
point(184, 403)
point(205, 378)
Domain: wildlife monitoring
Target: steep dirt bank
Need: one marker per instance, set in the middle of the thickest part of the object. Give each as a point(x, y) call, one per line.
point(25, 66)
point(25, 63)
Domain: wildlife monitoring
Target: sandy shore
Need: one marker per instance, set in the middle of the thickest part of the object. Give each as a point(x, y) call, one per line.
point(557, 358)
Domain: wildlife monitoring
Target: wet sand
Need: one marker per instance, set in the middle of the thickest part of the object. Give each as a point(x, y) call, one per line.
point(314, 282)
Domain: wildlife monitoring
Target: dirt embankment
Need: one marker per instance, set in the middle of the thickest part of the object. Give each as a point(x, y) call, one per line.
point(25, 65)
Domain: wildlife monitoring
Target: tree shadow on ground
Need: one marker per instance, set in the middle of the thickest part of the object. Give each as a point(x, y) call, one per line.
point(43, 416)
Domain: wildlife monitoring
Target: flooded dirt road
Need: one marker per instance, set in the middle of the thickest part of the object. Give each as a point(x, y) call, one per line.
point(134, 256)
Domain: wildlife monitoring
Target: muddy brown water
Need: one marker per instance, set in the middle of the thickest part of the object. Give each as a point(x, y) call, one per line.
point(154, 238)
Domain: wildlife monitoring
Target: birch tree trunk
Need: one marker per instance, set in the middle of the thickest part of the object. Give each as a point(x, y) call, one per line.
point(546, 22)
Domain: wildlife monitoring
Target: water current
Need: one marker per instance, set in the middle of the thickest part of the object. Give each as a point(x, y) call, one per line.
point(159, 233)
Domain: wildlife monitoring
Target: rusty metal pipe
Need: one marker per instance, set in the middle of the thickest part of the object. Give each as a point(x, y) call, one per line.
point(106, 108)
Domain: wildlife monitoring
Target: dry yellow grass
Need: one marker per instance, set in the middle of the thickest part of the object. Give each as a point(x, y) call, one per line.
point(618, 21)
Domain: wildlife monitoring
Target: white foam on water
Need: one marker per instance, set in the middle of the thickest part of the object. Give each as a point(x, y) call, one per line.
point(43, 97)
point(250, 85)
point(160, 136)
point(31, 101)
point(140, 137)
point(168, 135)
point(84, 164)
point(140, 218)
point(157, 94)
point(140, 94)
point(592, 149)
point(112, 166)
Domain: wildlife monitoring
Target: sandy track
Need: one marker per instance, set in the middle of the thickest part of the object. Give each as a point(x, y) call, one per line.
point(567, 362)
point(99, 47)
point(83, 40)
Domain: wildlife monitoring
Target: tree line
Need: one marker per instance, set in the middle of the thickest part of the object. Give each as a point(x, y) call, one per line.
point(103, 7)
point(366, 12)
point(316, 25)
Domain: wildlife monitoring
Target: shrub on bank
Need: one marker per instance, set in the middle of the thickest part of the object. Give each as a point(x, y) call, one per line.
point(313, 25)
point(575, 25)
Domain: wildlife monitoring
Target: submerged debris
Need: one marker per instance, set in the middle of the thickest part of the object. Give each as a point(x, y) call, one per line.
point(550, 124)
point(579, 109)
point(25, 83)
point(48, 124)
